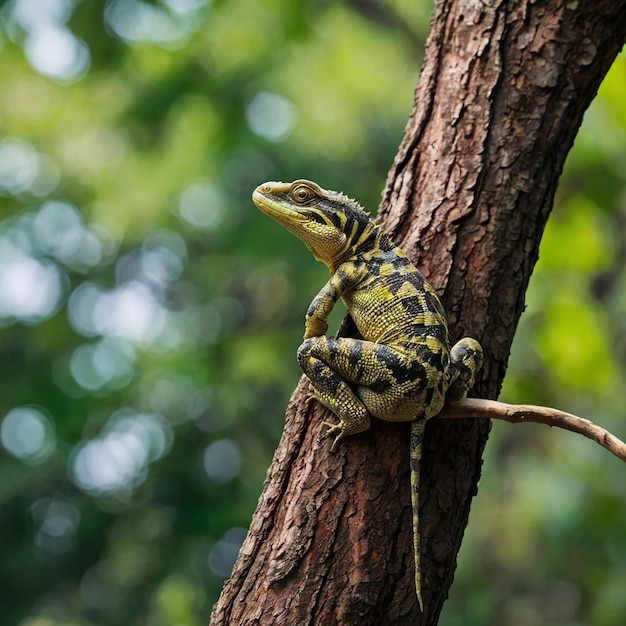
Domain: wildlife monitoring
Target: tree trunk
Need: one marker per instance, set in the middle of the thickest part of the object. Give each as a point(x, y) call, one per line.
point(501, 95)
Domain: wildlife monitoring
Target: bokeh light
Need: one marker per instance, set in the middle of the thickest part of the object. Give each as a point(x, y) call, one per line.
point(106, 363)
point(18, 165)
point(50, 47)
point(35, 14)
point(56, 521)
point(55, 52)
point(224, 553)
point(222, 460)
point(137, 21)
point(202, 206)
point(120, 457)
point(30, 288)
point(271, 116)
point(27, 433)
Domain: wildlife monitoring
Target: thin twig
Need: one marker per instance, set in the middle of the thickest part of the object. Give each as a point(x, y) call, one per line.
point(474, 407)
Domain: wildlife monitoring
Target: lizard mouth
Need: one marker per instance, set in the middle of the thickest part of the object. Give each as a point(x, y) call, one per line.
point(276, 210)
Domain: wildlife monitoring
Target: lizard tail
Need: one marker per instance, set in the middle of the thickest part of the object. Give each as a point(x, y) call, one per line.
point(415, 448)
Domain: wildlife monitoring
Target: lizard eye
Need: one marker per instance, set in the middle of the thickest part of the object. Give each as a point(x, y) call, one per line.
point(302, 194)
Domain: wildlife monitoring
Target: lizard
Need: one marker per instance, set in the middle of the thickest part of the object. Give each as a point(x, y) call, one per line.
point(403, 368)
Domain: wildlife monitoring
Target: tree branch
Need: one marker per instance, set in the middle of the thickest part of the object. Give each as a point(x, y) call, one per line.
point(517, 413)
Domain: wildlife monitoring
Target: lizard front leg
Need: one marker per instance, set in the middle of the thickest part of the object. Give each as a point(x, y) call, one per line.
point(466, 359)
point(315, 324)
point(341, 281)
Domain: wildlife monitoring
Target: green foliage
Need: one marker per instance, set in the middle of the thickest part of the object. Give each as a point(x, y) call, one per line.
point(149, 314)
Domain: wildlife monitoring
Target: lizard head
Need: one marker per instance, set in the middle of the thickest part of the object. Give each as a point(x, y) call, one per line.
point(329, 223)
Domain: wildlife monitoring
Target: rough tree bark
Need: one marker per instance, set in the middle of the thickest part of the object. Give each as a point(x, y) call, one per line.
point(501, 96)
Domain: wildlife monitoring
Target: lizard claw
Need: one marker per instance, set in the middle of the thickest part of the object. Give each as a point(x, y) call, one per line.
point(312, 394)
point(332, 430)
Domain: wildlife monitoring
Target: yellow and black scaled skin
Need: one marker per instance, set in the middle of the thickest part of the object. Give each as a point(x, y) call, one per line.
point(403, 367)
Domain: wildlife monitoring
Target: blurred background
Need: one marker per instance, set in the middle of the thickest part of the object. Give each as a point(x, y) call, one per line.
point(149, 314)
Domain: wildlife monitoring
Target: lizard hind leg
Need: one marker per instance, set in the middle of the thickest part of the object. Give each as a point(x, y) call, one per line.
point(466, 359)
point(320, 359)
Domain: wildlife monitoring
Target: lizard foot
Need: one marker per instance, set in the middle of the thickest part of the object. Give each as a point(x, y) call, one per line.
point(332, 430)
point(312, 395)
